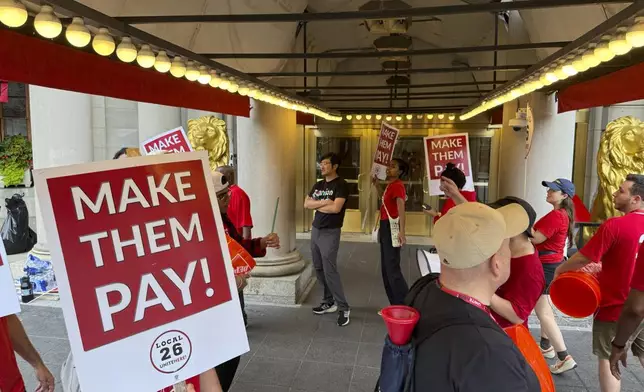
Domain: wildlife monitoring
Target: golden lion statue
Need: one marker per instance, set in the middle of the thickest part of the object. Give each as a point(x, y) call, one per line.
point(209, 133)
point(621, 152)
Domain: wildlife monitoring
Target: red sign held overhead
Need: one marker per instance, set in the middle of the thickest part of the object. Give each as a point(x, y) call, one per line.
point(444, 149)
point(174, 140)
point(384, 150)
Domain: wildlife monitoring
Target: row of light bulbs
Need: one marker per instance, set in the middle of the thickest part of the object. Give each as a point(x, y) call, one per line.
point(581, 61)
point(399, 117)
point(14, 14)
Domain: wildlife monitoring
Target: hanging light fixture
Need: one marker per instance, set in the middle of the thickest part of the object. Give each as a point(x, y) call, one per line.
point(192, 73)
point(178, 67)
point(368, 117)
point(358, 117)
point(441, 116)
point(215, 80)
point(145, 58)
point(452, 117)
point(603, 52)
point(46, 23)
point(162, 62)
point(409, 116)
point(378, 117)
point(634, 36)
point(620, 45)
point(388, 118)
point(103, 42)
point(126, 51)
point(204, 75)
point(13, 13)
point(349, 117)
point(77, 34)
point(398, 118)
point(430, 116)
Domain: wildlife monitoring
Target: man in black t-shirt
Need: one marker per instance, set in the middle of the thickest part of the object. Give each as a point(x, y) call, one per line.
point(328, 198)
point(459, 345)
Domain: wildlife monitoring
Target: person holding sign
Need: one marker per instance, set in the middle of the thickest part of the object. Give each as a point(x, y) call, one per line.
point(256, 247)
point(13, 337)
point(328, 198)
point(452, 182)
point(392, 231)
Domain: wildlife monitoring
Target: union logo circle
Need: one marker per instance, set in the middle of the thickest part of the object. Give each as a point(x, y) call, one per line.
point(171, 351)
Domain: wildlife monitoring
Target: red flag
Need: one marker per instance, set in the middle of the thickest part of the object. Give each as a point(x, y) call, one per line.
point(4, 92)
point(581, 212)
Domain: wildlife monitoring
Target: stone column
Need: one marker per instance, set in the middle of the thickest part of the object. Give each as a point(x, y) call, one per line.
point(266, 156)
point(551, 155)
point(155, 119)
point(61, 133)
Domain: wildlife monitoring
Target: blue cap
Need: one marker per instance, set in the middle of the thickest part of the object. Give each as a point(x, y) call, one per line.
point(562, 185)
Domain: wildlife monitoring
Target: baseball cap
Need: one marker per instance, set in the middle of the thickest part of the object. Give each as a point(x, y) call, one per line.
point(219, 181)
point(471, 233)
point(562, 185)
point(532, 214)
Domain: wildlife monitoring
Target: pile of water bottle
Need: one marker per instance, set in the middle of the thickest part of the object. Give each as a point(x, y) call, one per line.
point(39, 276)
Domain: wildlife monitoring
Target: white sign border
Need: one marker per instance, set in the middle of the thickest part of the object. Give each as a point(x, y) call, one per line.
point(139, 374)
point(434, 185)
point(9, 304)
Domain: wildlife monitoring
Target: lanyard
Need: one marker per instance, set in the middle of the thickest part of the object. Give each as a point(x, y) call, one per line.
point(466, 298)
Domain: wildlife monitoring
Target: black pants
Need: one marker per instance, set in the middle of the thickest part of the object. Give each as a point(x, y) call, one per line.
point(243, 306)
point(392, 276)
point(226, 373)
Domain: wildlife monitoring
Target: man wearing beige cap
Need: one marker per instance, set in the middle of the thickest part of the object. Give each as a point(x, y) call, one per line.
point(459, 345)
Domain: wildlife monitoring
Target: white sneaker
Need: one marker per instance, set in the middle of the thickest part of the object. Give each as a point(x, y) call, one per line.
point(563, 366)
point(549, 353)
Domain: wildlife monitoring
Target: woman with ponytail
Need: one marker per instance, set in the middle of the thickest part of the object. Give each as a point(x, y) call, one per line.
point(550, 236)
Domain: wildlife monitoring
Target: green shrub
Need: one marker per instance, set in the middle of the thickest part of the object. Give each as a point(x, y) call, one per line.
point(15, 158)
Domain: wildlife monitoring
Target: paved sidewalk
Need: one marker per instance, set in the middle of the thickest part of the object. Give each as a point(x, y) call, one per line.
point(294, 350)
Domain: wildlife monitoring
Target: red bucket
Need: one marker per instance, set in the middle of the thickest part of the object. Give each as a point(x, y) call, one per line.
point(400, 321)
point(577, 293)
point(532, 354)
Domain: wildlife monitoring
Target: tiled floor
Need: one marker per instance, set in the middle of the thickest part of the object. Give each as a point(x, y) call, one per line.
point(294, 350)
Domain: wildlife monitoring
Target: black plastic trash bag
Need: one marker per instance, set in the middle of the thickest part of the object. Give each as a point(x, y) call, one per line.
point(15, 232)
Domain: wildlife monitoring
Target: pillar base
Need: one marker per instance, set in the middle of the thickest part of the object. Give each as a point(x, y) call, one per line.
point(291, 288)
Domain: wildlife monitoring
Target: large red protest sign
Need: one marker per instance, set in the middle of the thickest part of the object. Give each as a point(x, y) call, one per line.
point(9, 303)
point(444, 149)
point(142, 261)
point(174, 140)
point(384, 150)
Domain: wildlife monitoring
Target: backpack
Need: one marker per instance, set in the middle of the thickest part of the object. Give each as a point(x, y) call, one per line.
point(397, 363)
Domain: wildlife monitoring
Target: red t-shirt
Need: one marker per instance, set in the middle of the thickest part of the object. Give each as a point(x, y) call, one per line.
point(449, 203)
point(10, 378)
point(615, 245)
point(523, 288)
point(637, 282)
point(554, 225)
point(394, 191)
point(239, 208)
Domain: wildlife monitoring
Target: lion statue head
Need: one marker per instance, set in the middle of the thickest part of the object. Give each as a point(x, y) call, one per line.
point(621, 152)
point(209, 133)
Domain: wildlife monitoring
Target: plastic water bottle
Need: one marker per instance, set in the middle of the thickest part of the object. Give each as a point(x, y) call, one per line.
point(26, 289)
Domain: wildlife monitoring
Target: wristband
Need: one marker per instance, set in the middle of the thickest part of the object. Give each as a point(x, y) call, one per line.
point(617, 346)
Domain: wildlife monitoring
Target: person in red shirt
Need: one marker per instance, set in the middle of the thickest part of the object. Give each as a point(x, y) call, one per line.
point(614, 245)
point(239, 213)
point(632, 317)
point(550, 235)
point(392, 208)
point(454, 177)
point(517, 297)
point(13, 338)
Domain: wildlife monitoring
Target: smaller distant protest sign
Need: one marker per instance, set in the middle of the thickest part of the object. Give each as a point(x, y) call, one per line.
point(443, 149)
point(174, 140)
point(384, 150)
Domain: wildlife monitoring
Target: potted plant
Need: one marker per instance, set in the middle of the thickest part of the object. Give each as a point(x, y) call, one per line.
point(15, 160)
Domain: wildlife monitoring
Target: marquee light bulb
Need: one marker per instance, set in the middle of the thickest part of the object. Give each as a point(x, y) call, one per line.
point(398, 118)
point(126, 51)
point(603, 52)
point(388, 118)
point(47, 24)
point(13, 13)
point(145, 58)
point(635, 35)
point(162, 62)
point(358, 117)
point(368, 117)
point(378, 117)
point(103, 43)
point(430, 116)
point(204, 75)
point(349, 117)
point(226, 83)
point(192, 73)
point(178, 67)
point(620, 45)
point(409, 117)
point(441, 116)
point(234, 87)
point(77, 33)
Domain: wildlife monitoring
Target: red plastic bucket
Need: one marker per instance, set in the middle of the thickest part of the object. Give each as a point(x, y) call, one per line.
point(532, 354)
point(400, 321)
point(577, 293)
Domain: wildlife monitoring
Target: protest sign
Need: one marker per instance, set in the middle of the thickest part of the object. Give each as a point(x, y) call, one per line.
point(174, 140)
point(384, 150)
point(9, 303)
point(443, 149)
point(146, 282)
